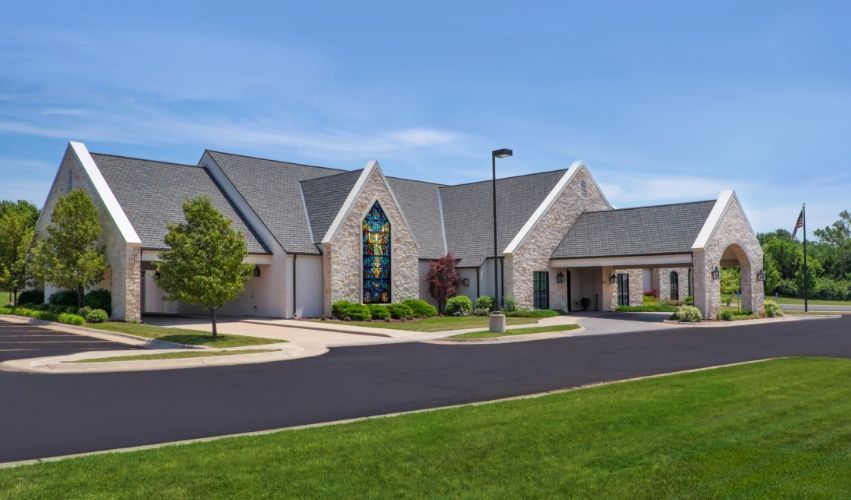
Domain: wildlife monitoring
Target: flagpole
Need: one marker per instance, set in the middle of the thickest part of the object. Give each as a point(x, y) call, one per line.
point(806, 274)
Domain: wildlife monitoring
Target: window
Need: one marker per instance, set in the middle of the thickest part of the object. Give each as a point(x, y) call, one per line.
point(675, 286)
point(376, 257)
point(623, 289)
point(583, 188)
point(541, 289)
point(70, 180)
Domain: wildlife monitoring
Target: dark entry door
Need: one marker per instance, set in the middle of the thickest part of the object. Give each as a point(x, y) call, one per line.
point(623, 289)
point(541, 289)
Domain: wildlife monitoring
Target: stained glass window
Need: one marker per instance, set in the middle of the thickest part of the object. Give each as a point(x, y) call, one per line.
point(376, 257)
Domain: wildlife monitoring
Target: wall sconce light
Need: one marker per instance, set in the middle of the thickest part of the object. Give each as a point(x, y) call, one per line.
point(157, 275)
point(760, 276)
point(465, 281)
point(612, 279)
point(256, 271)
point(716, 273)
point(560, 277)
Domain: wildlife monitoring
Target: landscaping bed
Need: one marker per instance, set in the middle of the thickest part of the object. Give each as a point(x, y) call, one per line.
point(172, 355)
point(182, 336)
point(772, 429)
point(486, 334)
point(438, 323)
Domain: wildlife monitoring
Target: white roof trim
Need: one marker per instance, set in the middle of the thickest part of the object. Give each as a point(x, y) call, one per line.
point(625, 261)
point(714, 219)
point(544, 207)
point(350, 201)
point(106, 195)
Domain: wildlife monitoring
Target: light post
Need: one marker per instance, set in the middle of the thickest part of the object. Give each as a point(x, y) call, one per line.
point(498, 153)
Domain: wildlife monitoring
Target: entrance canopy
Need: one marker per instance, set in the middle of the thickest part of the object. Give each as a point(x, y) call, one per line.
point(654, 236)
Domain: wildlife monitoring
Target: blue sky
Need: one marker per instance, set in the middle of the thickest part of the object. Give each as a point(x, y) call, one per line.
point(665, 101)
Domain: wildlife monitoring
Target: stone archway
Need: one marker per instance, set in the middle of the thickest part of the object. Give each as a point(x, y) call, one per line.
point(708, 293)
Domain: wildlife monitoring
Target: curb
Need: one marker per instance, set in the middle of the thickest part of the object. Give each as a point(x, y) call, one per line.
point(508, 339)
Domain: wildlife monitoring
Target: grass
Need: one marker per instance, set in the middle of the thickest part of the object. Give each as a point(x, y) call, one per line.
point(657, 307)
point(771, 429)
point(484, 334)
point(172, 355)
point(438, 323)
point(181, 336)
point(813, 302)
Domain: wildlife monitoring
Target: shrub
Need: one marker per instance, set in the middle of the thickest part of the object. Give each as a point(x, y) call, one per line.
point(532, 313)
point(350, 311)
point(460, 305)
point(65, 298)
point(688, 314)
point(510, 304)
point(96, 316)
point(689, 301)
point(99, 299)
point(421, 308)
point(732, 315)
point(338, 307)
point(649, 299)
point(652, 293)
point(649, 307)
point(71, 319)
point(481, 312)
point(31, 297)
point(727, 315)
point(772, 309)
point(84, 311)
point(400, 311)
point(377, 311)
point(485, 302)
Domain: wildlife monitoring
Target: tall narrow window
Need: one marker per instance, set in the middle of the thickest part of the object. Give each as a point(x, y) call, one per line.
point(675, 286)
point(70, 180)
point(623, 289)
point(376, 257)
point(541, 289)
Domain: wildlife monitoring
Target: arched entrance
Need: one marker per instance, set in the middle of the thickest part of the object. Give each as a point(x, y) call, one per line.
point(732, 272)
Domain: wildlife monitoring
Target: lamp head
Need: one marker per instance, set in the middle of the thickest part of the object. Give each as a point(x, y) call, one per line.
point(502, 153)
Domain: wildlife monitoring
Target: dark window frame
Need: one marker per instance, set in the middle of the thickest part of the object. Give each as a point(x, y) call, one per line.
point(623, 289)
point(541, 289)
point(674, 278)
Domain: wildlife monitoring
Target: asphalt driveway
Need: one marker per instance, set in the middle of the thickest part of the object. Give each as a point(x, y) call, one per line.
point(24, 340)
point(48, 415)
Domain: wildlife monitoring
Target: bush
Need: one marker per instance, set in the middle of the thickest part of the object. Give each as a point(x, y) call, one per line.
point(532, 313)
point(649, 307)
point(377, 311)
point(727, 315)
point(689, 301)
point(485, 302)
point(649, 298)
point(787, 288)
point(338, 307)
point(99, 299)
point(421, 308)
point(31, 297)
point(772, 309)
point(84, 311)
point(688, 314)
point(65, 298)
point(350, 311)
point(96, 316)
point(400, 311)
point(460, 305)
point(481, 312)
point(510, 304)
point(732, 315)
point(71, 319)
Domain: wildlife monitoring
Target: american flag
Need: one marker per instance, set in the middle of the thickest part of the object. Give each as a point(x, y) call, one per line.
point(798, 224)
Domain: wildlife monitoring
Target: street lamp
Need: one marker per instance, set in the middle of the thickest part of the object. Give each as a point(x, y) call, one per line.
point(497, 153)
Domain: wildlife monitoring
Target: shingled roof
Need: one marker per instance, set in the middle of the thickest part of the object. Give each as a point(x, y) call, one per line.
point(420, 202)
point(152, 194)
point(324, 196)
point(273, 190)
point(468, 213)
point(659, 229)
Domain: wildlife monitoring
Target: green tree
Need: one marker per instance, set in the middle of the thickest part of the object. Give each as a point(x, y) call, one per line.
point(729, 283)
point(68, 257)
point(17, 228)
point(204, 263)
point(772, 274)
point(814, 271)
point(837, 233)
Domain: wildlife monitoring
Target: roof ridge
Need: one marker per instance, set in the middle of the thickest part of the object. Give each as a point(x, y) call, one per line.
point(650, 206)
point(358, 171)
point(273, 160)
point(146, 160)
point(509, 177)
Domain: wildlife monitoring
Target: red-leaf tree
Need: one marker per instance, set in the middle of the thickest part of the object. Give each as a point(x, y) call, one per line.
point(443, 279)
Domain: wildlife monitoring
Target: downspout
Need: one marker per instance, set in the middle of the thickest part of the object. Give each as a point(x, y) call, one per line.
point(295, 256)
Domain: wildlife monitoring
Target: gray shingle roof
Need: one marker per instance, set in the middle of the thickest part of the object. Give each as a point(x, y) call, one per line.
point(324, 196)
point(152, 194)
point(468, 212)
point(420, 203)
point(659, 229)
point(273, 190)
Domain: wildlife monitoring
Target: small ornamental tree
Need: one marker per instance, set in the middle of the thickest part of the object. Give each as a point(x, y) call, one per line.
point(17, 229)
point(204, 263)
point(68, 257)
point(443, 280)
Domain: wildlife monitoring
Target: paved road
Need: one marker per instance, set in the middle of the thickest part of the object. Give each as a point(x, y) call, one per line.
point(48, 415)
point(815, 307)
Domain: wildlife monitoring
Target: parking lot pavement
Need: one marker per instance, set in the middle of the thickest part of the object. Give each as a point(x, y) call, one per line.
point(21, 339)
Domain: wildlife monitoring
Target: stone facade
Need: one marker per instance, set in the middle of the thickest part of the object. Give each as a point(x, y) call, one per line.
point(661, 282)
point(123, 273)
point(636, 293)
point(343, 256)
point(732, 238)
point(533, 254)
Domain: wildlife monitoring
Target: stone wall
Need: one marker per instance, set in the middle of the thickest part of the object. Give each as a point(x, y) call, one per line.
point(533, 254)
point(636, 292)
point(661, 279)
point(734, 236)
point(123, 261)
point(343, 257)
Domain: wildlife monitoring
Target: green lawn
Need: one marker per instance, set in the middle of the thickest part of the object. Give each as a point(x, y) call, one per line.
point(772, 429)
point(484, 334)
point(438, 323)
point(181, 336)
point(173, 355)
point(813, 302)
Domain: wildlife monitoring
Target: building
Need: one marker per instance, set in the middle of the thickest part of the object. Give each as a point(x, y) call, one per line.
point(318, 235)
